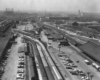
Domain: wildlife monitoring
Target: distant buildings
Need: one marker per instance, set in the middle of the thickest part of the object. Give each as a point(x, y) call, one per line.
point(80, 14)
point(9, 11)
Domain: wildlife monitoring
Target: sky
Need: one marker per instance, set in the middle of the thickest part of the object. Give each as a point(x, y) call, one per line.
point(52, 5)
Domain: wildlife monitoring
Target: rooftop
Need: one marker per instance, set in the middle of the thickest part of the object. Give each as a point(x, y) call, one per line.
point(92, 48)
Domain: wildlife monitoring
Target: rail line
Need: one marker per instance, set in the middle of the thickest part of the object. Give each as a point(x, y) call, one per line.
point(5, 30)
point(44, 69)
point(45, 64)
point(48, 58)
point(51, 64)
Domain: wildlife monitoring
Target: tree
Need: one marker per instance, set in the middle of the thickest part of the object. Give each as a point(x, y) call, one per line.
point(75, 24)
point(59, 46)
point(88, 73)
point(91, 76)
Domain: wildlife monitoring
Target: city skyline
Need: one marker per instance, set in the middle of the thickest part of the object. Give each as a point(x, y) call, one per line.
point(52, 5)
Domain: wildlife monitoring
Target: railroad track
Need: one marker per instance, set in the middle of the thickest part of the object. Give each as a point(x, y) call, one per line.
point(45, 58)
point(43, 71)
point(6, 32)
point(51, 64)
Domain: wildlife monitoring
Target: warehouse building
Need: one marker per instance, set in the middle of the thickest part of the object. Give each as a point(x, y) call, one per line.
point(92, 49)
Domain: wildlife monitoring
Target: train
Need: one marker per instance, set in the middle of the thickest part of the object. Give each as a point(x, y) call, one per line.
point(51, 63)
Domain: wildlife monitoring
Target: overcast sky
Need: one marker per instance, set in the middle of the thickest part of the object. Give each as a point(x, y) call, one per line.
point(52, 5)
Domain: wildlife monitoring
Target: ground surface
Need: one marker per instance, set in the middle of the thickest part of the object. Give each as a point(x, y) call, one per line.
point(12, 62)
point(73, 56)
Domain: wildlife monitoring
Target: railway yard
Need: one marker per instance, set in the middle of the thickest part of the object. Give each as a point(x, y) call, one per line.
point(31, 52)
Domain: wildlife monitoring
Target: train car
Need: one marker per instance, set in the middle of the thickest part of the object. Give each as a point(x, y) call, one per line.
point(36, 53)
point(45, 64)
point(51, 64)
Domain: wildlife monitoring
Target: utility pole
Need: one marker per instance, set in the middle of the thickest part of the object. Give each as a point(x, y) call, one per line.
point(59, 47)
point(69, 56)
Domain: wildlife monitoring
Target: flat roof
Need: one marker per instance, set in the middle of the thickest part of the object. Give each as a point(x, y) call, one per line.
point(96, 42)
point(3, 43)
point(56, 36)
point(91, 49)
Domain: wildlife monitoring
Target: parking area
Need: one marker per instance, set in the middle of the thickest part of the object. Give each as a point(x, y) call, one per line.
point(72, 67)
point(12, 65)
point(77, 66)
point(72, 64)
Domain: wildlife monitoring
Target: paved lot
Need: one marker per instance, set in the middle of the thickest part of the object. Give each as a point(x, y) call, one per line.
point(74, 56)
point(54, 53)
point(11, 67)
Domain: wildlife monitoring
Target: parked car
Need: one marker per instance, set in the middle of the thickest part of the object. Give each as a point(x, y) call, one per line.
point(3, 62)
point(20, 70)
point(21, 63)
point(73, 72)
point(68, 67)
point(60, 55)
point(21, 56)
point(20, 66)
point(68, 64)
point(87, 62)
point(70, 61)
point(67, 59)
point(87, 78)
point(1, 70)
point(9, 50)
point(20, 76)
point(21, 59)
point(62, 58)
point(83, 78)
point(96, 66)
point(82, 73)
point(74, 65)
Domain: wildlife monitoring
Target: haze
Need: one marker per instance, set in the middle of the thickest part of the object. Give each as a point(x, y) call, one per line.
point(52, 5)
